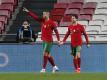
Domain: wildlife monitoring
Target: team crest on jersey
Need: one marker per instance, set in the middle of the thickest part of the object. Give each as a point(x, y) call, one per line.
point(73, 31)
point(46, 26)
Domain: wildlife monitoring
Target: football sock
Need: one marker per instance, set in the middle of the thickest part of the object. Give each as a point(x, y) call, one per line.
point(45, 60)
point(51, 60)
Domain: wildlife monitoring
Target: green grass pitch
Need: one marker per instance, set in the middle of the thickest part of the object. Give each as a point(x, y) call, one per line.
point(53, 76)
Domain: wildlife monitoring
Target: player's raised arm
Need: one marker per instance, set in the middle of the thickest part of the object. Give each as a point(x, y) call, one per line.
point(32, 14)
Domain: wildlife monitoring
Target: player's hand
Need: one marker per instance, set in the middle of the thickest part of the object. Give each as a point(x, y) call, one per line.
point(61, 43)
point(88, 45)
point(25, 9)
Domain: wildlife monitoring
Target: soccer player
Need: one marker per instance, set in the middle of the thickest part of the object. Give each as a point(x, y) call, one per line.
point(75, 30)
point(47, 28)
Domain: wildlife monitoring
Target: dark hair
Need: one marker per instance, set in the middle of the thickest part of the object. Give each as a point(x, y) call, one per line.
point(75, 15)
point(26, 21)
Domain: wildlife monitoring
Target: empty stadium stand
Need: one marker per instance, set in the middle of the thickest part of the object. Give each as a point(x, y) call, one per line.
point(6, 11)
point(91, 13)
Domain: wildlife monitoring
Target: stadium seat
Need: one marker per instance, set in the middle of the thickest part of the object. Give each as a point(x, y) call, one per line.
point(14, 2)
point(93, 1)
point(83, 22)
point(3, 19)
point(102, 5)
point(96, 23)
point(98, 1)
point(87, 11)
point(90, 5)
point(93, 29)
point(62, 30)
point(104, 29)
point(5, 13)
point(104, 1)
point(38, 40)
point(7, 7)
point(105, 23)
point(58, 12)
point(56, 18)
point(60, 5)
point(64, 24)
point(75, 6)
point(66, 18)
point(85, 17)
point(103, 38)
point(72, 11)
point(99, 17)
point(101, 11)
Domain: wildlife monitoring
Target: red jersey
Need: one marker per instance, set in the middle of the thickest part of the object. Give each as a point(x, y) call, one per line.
point(47, 28)
point(76, 32)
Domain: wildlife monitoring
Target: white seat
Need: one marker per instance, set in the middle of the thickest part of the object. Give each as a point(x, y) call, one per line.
point(62, 30)
point(96, 23)
point(101, 11)
point(102, 5)
point(103, 38)
point(92, 0)
point(83, 22)
point(96, 1)
point(103, 0)
point(91, 38)
point(39, 40)
point(39, 33)
point(104, 29)
point(105, 22)
point(64, 24)
point(99, 17)
point(93, 29)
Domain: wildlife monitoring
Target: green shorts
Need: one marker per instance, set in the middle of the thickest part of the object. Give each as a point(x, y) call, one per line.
point(47, 46)
point(75, 50)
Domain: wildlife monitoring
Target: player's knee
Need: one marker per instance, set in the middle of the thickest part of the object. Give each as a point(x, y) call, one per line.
point(49, 55)
point(78, 54)
point(45, 54)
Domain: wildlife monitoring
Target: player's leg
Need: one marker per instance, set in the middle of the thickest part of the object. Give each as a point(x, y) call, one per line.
point(50, 58)
point(78, 50)
point(75, 62)
point(45, 56)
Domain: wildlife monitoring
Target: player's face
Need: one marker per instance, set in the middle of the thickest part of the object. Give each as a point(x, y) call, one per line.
point(73, 19)
point(45, 15)
point(25, 24)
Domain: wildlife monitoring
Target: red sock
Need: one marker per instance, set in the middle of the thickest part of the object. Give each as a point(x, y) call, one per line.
point(45, 60)
point(51, 60)
point(75, 61)
point(79, 62)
